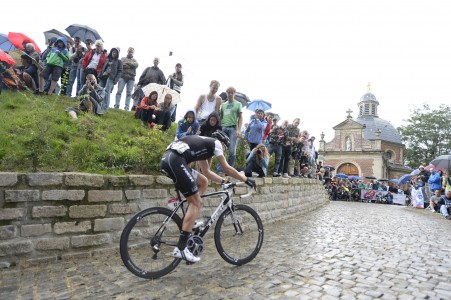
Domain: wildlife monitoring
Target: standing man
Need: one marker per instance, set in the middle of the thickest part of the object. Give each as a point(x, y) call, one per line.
point(208, 103)
point(150, 75)
point(129, 66)
point(76, 55)
point(231, 122)
point(94, 60)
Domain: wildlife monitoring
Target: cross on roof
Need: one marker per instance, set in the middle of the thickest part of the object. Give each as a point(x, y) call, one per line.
point(349, 111)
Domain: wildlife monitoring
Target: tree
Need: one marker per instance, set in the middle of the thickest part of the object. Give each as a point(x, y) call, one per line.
point(427, 134)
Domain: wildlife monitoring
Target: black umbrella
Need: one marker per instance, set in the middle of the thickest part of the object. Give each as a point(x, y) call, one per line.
point(53, 33)
point(238, 97)
point(382, 179)
point(84, 32)
point(329, 167)
point(443, 161)
point(370, 177)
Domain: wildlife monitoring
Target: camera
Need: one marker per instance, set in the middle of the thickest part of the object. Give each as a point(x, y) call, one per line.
point(259, 151)
point(76, 60)
point(93, 82)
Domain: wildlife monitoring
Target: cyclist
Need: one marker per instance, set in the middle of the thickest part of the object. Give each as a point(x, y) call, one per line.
point(175, 165)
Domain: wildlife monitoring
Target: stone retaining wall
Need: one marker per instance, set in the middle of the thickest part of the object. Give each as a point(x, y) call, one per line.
point(47, 217)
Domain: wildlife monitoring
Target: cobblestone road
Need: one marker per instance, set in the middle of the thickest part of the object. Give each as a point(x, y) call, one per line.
point(342, 251)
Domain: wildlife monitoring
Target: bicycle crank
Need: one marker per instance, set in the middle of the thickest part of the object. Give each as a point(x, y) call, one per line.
point(195, 244)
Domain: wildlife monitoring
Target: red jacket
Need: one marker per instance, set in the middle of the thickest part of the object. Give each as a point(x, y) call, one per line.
point(87, 59)
point(267, 129)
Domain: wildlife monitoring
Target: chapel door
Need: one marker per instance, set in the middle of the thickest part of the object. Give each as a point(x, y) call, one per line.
point(348, 169)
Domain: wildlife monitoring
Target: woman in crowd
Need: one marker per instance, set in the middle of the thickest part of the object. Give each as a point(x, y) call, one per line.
point(147, 110)
point(257, 161)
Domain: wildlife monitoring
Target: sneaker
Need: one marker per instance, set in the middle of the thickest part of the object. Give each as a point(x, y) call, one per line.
point(126, 108)
point(116, 106)
point(133, 108)
point(185, 254)
point(448, 217)
point(285, 175)
point(275, 174)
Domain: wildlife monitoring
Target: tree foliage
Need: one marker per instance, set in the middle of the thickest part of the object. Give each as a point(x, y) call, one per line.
point(427, 134)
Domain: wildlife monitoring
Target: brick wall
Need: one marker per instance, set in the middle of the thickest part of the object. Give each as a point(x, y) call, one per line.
point(47, 217)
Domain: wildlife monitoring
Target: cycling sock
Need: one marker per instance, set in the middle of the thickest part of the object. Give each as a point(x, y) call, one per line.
point(184, 235)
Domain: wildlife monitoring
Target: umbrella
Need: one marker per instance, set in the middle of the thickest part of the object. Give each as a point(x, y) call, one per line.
point(162, 90)
point(259, 104)
point(240, 97)
point(5, 44)
point(353, 177)
point(382, 179)
point(6, 58)
point(329, 167)
point(341, 175)
point(17, 55)
point(443, 161)
point(274, 115)
point(415, 172)
point(404, 179)
point(394, 180)
point(17, 39)
point(53, 33)
point(370, 177)
point(84, 32)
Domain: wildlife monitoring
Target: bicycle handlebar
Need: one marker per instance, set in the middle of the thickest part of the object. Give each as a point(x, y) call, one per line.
point(239, 183)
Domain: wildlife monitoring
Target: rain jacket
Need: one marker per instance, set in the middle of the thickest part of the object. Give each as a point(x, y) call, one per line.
point(58, 56)
point(183, 126)
point(206, 129)
point(112, 68)
point(435, 181)
point(255, 130)
point(88, 58)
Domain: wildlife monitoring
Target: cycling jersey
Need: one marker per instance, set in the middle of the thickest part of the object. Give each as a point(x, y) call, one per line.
point(195, 148)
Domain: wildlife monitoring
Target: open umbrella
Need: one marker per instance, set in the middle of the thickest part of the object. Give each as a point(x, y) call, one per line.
point(415, 172)
point(5, 44)
point(331, 168)
point(240, 97)
point(370, 177)
point(394, 180)
point(17, 39)
point(259, 104)
point(17, 55)
point(6, 58)
point(53, 33)
point(353, 177)
point(341, 175)
point(404, 179)
point(274, 115)
point(443, 161)
point(162, 90)
point(382, 179)
point(84, 32)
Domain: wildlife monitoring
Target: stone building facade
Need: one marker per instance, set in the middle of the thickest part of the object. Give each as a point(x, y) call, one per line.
point(366, 146)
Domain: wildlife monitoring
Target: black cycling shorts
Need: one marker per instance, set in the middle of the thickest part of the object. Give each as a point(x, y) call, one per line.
point(175, 167)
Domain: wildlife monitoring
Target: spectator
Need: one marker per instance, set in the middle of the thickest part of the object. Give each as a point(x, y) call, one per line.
point(231, 122)
point(175, 82)
point(446, 181)
point(255, 130)
point(433, 201)
point(257, 161)
point(150, 75)
point(424, 175)
point(27, 73)
point(210, 125)
point(445, 204)
point(286, 152)
point(277, 137)
point(164, 112)
point(31, 51)
point(76, 52)
point(188, 125)
point(94, 60)
point(127, 79)
point(147, 110)
point(54, 65)
point(208, 103)
point(110, 74)
point(435, 181)
point(292, 138)
point(89, 43)
point(91, 97)
point(269, 120)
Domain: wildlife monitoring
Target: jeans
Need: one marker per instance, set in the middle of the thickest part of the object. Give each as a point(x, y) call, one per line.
point(444, 210)
point(72, 78)
point(108, 89)
point(252, 166)
point(286, 155)
point(128, 83)
point(231, 158)
point(277, 149)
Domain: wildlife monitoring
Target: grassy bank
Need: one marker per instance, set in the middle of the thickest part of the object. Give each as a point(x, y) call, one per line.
point(37, 135)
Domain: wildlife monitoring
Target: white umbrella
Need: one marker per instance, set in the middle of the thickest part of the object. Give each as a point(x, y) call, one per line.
point(162, 90)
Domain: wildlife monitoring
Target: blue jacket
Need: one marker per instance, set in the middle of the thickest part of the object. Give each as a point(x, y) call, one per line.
point(255, 130)
point(183, 126)
point(435, 181)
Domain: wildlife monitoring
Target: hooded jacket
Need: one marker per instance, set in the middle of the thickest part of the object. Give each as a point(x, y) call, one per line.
point(58, 56)
point(88, 57)
point(112, 69)
point(183, 126)
point(206, 129)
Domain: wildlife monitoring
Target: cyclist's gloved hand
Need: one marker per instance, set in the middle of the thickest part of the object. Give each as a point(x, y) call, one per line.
point(251, 183)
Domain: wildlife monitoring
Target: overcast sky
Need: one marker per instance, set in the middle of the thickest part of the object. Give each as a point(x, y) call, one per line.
point(311, 59)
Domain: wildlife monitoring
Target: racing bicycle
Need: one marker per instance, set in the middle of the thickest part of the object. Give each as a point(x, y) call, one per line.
point(150, 236)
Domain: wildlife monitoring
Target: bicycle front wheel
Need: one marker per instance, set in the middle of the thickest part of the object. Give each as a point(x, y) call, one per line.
point(148, 240)
point(239, 235)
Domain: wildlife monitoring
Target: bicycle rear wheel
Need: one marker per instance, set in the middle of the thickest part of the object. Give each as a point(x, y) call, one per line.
point(147, 243)
point(239, 235)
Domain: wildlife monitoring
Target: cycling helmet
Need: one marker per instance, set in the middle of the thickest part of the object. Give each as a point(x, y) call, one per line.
point(222, 137)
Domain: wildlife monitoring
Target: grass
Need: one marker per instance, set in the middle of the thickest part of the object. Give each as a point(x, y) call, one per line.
point(37, 135)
